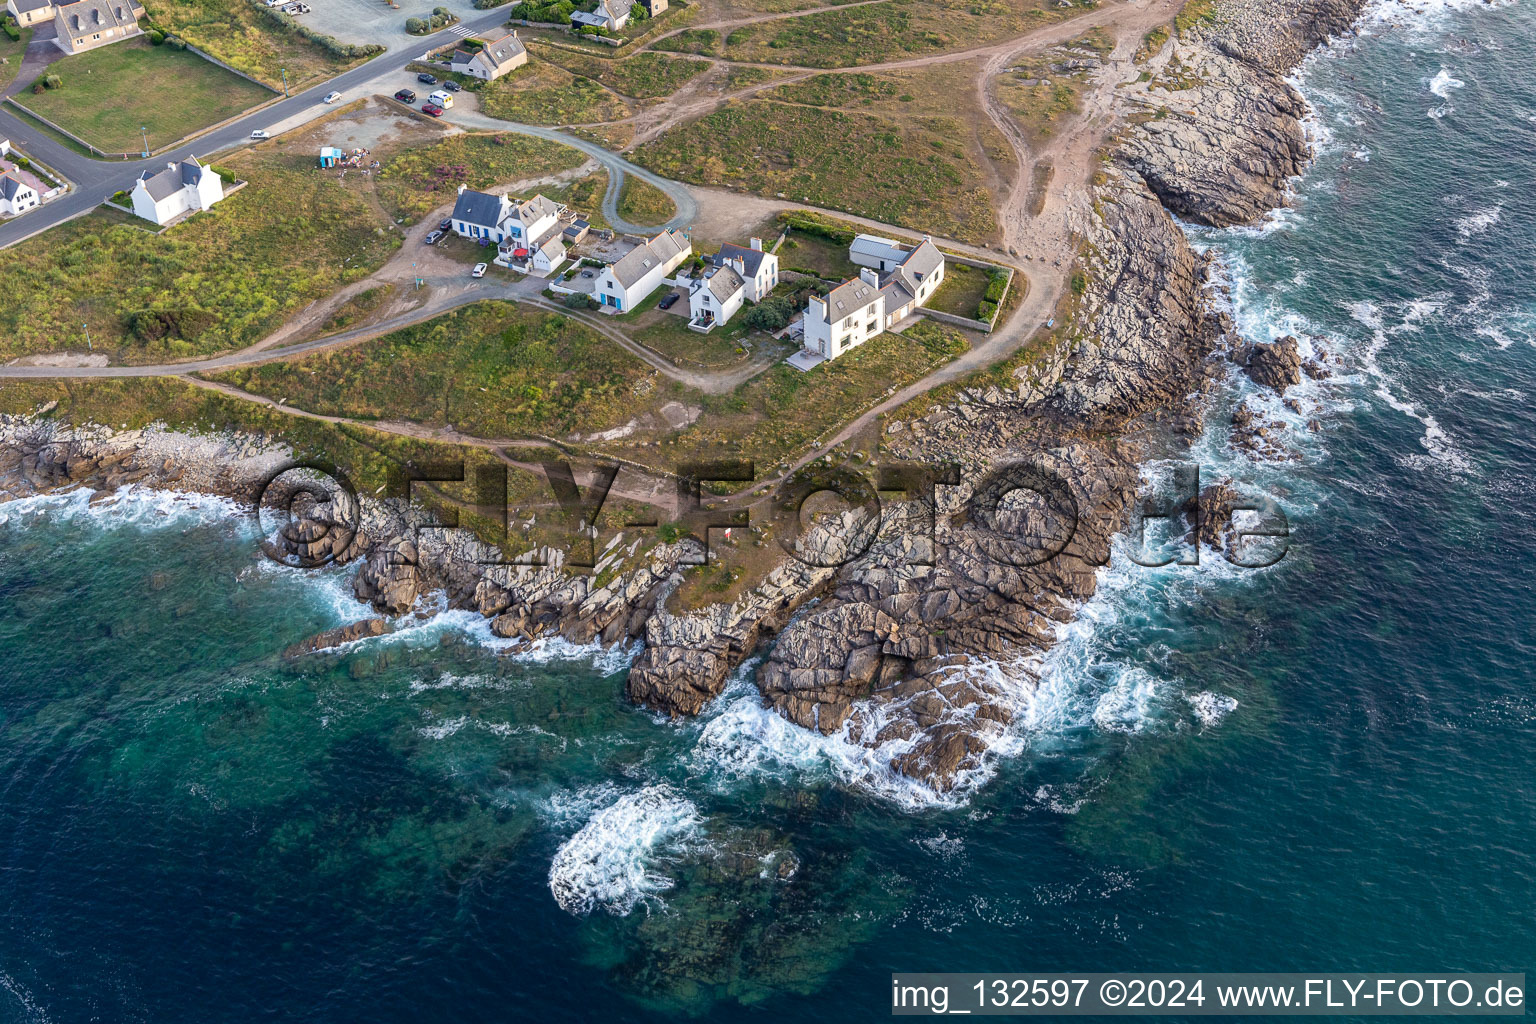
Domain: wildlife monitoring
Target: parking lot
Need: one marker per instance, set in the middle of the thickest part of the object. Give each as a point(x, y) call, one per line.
point(373, 21)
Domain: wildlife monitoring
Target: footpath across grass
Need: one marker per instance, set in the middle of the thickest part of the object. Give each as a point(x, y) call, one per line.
point(107, 95)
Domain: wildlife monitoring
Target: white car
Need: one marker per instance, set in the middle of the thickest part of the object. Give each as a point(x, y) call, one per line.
point(331, 97)
point(259, 134)
point(479, 270)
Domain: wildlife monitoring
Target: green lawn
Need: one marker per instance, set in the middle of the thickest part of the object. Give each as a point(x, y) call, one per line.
point(720, 348)
point(110, 93)
point(493, 369)
point(809, 253)
point(962, 291)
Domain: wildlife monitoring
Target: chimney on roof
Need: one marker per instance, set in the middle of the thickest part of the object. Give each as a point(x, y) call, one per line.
point(869, 277)
point(462, 187)
point(757, 244)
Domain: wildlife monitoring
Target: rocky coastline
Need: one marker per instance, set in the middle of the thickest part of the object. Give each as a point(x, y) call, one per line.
point(898, 650)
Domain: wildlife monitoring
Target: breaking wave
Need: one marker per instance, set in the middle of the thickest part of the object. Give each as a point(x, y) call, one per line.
point(612, 861)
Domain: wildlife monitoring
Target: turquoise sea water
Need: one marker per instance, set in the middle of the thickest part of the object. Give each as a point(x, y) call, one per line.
point(423, 827)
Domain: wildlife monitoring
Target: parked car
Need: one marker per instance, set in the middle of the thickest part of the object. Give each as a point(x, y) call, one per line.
point(433, 237)
point(432, 108)
point(331, 97)
point(445, 224)
point(668, 302)
point(586, 273)
point(442, 98)
point(479, 270)
point(451, 85)
point(405, 96)
point(426, 79)
point(259, 134)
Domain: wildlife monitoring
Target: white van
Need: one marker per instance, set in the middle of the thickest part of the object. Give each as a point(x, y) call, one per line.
point(442, 98)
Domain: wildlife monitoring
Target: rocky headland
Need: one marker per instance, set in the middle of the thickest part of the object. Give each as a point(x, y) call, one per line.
point(925, 647)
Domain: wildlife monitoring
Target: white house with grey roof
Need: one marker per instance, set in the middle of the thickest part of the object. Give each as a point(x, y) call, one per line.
point(481, 215)
point(86, 24)
point(621, 286)
point(759, 269)
point(495, 58)
point(181, 188)
point(715, 298)
point(612, 15)
point(16, 196)
point(870, 304)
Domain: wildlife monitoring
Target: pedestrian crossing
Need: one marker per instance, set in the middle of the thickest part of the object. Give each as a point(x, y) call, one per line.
point(462, 31)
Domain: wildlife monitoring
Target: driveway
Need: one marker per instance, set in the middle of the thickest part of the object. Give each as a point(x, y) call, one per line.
point(42, 51)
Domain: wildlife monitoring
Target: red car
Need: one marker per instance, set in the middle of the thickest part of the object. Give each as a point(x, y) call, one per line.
point(432, 108)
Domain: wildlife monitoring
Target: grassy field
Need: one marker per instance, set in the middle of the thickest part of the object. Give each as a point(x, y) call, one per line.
point(541, 93)
point(420, 180)
point(643, 76)
point(724, 346)
point(109, 93)
point(705, 41)
point(906, 171)
point(220, 280)
point(778, 414)
point(245, 36)
point(886, 31)
point(493, 370)
point(644, 204)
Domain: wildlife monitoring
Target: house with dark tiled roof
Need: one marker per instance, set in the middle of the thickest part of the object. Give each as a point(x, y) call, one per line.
point(181, 188)
point(86, 24)
point(758, 268)
point(30, 12)
point(481, 215)
point(16, 196)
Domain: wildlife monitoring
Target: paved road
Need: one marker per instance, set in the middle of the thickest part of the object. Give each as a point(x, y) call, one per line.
point(95, 180)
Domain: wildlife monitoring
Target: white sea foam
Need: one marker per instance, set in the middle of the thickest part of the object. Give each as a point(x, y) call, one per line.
point(1476, 223)
point(1210, 708)
point(612, 861)
point(1441, 86)
point(1415, 18)
point(135, 507)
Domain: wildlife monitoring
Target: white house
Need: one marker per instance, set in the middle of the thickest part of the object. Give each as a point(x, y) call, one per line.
point(494, 59)
point(181, 188)
point(480, 215)
point(16, 196)
point(758, 269)
point(622, 285)
point(715, 298)
point(610, 14)
point(528, 222)
point(870, 304)
point(850, 315)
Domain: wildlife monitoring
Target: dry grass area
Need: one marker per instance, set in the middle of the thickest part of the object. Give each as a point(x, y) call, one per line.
point(420, 180)
point(493, 370)
point(782, 412)
point(923, 172)
point(251, 39)
point(644, 204)
point(1046, 91)
point(642, 76)
point(542, 93)
point(887, 31)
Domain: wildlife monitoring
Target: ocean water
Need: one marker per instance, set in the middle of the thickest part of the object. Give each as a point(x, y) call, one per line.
point(1324, 765)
